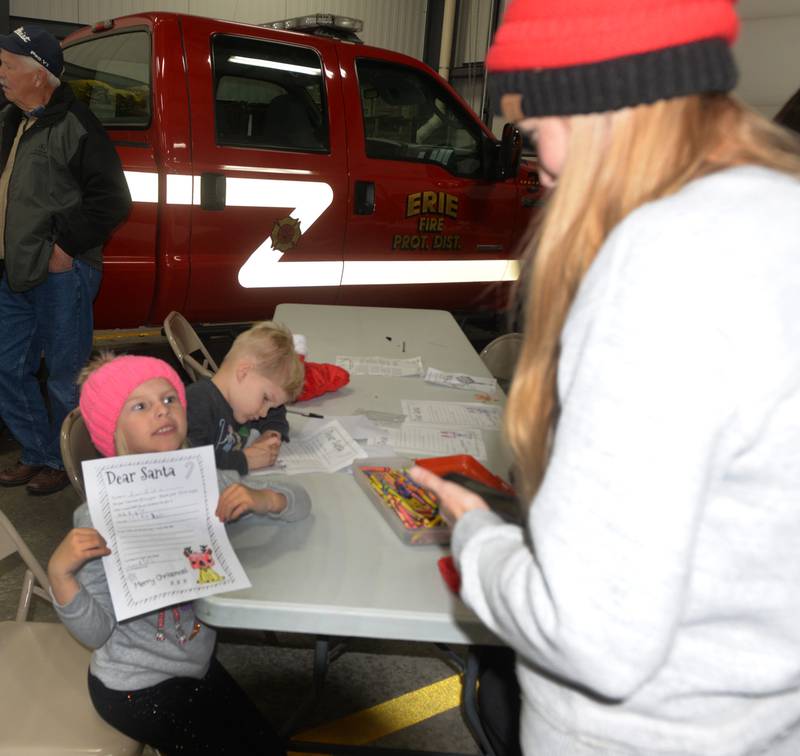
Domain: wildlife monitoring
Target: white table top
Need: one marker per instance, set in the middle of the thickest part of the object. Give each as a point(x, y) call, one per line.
point(343, 571)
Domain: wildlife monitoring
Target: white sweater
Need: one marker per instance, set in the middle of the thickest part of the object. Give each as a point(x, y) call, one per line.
point(657, 610)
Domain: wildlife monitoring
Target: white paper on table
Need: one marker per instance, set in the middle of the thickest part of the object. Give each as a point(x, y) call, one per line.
point(325, 448)
point(387, 366)
point(360, 428)
point(391, 419)
point(461, 381)
point(426, 439)
point(156, 512)
point(453, 414)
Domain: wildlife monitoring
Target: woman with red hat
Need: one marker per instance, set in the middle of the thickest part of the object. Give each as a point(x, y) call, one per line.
point(652, 599)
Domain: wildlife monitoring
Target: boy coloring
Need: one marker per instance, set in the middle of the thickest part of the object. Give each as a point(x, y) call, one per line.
point(240, 410)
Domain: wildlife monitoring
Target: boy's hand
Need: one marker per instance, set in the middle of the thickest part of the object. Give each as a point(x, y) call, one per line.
point(264, 451)
point(237, 500)
point(78, 547)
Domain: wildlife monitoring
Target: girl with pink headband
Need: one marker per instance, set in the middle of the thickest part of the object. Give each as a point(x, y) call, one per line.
point(154, 679)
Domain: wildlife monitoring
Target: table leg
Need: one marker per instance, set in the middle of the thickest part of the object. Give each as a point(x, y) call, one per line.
point(323, 656)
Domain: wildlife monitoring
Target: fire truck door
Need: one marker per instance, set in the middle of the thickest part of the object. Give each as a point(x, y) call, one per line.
point(268, 185)
point(423, 215)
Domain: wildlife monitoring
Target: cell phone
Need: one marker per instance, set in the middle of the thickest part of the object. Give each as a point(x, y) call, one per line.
point(503, 504)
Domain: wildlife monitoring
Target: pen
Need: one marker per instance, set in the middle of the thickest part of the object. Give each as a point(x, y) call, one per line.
point(305, 414)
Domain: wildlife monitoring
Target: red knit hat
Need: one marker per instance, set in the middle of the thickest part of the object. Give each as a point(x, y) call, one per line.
point(563, 57)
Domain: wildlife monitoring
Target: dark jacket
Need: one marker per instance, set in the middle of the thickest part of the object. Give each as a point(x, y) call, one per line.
point(211, 421)
point(67, 188)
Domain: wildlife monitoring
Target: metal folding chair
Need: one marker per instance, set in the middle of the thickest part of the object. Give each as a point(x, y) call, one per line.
point(76, 446)
point(44, 700)
point(500, 356)
point(188, 348)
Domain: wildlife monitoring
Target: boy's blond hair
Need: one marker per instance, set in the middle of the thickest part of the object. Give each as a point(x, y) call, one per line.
point(270, 346)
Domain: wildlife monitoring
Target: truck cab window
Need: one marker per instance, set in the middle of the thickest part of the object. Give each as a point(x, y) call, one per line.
point(268, 95)
point(407, 116)
point(111, 74)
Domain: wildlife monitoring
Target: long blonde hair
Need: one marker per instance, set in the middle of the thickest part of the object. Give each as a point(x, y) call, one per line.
point(616, 162)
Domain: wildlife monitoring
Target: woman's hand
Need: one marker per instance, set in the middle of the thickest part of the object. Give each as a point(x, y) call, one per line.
point(455, 500)
point(78, 547)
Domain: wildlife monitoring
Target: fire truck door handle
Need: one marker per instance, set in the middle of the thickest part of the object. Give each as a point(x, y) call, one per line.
point(212, 191)
point(365, 198)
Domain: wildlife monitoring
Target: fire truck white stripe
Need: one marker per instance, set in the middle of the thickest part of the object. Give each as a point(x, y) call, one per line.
point(282, 275)
point(371, 272)
point(272, 274)
point(179, 189)
point(265, 269)
point(308, 198)
point(142, 185)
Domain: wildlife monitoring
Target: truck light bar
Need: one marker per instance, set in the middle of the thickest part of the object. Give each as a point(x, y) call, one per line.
point(100, 26)
point(326, 24)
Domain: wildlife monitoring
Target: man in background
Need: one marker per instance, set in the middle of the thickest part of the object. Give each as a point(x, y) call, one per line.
point(62, 192)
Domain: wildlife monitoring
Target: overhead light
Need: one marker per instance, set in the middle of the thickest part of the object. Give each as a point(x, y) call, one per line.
point(276, 64)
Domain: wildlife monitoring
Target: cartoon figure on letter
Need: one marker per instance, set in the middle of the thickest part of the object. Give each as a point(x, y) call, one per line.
point(202, 560)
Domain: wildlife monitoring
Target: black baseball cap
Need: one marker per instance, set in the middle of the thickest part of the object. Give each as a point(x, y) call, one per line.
point(38, 44)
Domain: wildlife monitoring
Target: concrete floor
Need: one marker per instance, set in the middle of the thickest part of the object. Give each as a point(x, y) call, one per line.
point(274, 669)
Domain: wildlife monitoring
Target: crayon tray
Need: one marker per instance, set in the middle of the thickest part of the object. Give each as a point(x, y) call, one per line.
point(375, 478)
point(466, 465)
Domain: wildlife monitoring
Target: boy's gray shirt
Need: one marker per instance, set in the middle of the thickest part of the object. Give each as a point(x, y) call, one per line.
point(127, 655)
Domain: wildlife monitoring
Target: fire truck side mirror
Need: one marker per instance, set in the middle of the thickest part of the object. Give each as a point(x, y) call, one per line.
point(510, 152)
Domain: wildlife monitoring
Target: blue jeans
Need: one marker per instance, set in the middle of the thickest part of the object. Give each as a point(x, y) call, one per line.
point(54, 317)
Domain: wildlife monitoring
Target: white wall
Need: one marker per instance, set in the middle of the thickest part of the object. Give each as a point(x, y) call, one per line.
point(767, 50)
point(470, 45)
point(767, 53)
point(472, 31)
point(393, 24)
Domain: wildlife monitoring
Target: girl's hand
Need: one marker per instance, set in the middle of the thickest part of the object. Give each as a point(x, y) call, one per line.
point(238, 499)
point(455, 500)
point(78, 547)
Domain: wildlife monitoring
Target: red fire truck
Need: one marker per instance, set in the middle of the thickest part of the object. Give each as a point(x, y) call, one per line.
point(269, 166)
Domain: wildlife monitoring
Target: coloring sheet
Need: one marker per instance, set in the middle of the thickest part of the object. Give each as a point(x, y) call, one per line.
point(461, 381)
point(156, 512)
point(323, 447)
point(388, 366)
point(453, 414)
point(429, 440)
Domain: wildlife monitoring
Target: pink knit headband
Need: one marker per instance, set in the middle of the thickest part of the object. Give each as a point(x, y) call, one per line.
point(107, 389)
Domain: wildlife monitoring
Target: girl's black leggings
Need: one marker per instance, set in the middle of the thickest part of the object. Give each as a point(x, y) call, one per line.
point(187, 716)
